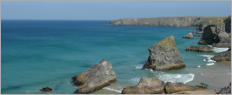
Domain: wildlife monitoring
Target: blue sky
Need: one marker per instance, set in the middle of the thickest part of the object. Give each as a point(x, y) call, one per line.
point(109, 10)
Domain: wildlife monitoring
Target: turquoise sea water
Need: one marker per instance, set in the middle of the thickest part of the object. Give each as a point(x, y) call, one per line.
point(37, 54)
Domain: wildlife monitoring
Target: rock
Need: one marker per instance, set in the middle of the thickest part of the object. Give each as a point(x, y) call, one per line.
point(194, 35)
point(95, 78)
point(200, 49)
point(201, 86)
point(199, 32)
point(145, 86)
point(227, 22)
point(225, 90)
point(215, 35)
point(225, 56)
point(189, 36)
point(177, 87)
point(47, 89)
point(164, 55)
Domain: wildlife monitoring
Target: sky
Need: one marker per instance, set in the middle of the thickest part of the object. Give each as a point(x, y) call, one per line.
point(110, 10)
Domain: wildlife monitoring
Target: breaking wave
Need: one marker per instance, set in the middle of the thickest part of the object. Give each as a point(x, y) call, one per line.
point(173, 78)
point(210, 64)
point(218, 50)
point(119, 91)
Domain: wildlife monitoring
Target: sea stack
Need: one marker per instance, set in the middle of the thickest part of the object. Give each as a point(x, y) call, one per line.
point(164, 55)
point(95, 78)
point(145, 86)
point(215, 35)
point(189, 35)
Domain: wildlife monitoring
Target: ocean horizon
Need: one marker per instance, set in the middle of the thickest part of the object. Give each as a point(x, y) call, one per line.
point(48, 53)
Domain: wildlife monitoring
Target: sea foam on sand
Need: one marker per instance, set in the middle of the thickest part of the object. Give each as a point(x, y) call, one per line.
point(218, 50)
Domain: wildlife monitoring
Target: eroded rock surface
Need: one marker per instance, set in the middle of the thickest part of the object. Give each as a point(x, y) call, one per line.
point(177, 87)
point(95, 78)
point(225, 90)
point(164, 55)
point(200, 49)
point(225, 56)
point(145, 86)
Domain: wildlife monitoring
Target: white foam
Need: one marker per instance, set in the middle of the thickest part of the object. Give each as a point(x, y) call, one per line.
point(199, 66)
point(119, 91)
point(210, 64)
point(138, 66)
point(218, 50)
point(208, 58)
point(173, 78)
point(134, 80)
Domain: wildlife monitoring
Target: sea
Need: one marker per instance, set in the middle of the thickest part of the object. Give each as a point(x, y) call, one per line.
point(48, 53)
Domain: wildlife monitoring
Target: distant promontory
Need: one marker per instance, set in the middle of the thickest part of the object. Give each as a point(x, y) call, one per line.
point(186, 22)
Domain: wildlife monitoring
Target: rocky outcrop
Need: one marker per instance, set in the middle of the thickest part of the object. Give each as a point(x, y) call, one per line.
point(145, 86)
point(194, 22)
point(225, 56)
point(227, 22)
point(200, 49)
point(95, 78)
point(225, 90)
point(47, 89)
point(177, 87)
point(189, 36)
point(215, 35)
point(201, 86)
point(164, 55)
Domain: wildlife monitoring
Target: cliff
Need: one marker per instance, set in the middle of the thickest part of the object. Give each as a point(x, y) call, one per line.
point(192, 22)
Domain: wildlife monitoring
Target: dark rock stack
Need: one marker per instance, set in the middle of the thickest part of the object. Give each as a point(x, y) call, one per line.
point(189, 36)
point(225, 90)
point(95, 78)
point(47, 89)
point(215, 35)
point(225, 56)
point(145, 86)
point(200, 49)
point(164, 55)
point(177, 87)
point(227, 22)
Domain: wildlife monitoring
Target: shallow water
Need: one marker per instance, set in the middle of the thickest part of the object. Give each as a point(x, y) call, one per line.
point(37, 54)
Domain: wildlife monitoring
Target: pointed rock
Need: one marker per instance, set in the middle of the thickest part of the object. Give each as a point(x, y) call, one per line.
point(164, 55)
point(145, 86)
point(95, 78)
point(189, 36)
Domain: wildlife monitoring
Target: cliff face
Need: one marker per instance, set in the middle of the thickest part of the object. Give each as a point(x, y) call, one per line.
point(194, 22)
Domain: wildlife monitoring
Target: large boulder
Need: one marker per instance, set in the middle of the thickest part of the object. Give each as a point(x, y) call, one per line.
point(164, 55)
point(177, 87)
point(225, 56)
point(200, 49)
point(225, 90)
point(189, 35)
point(215, 35)
point(145, 86)
point(95, 78)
